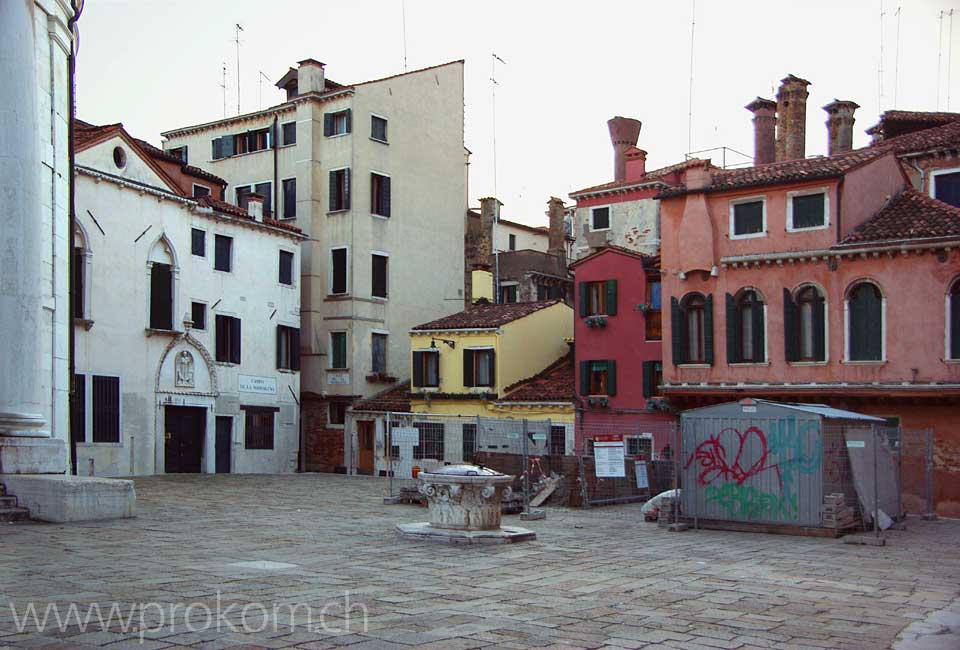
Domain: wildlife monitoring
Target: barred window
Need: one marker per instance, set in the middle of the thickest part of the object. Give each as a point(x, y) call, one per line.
point(258, 432)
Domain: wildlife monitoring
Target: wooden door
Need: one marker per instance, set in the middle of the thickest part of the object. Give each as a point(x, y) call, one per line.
point(224, 443)
point(365, 434)
point(184, 433)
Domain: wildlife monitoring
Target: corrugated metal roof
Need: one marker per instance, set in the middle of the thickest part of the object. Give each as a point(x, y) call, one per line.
point(825, 411)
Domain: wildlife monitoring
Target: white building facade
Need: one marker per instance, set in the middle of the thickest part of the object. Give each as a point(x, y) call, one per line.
point(188, 320)
point(375, 174)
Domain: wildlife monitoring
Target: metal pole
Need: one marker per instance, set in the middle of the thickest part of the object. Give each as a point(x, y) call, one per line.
point(526, 470)
point(876, 492)
point(388, 448)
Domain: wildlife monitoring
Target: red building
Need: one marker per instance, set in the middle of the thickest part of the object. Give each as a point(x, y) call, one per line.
point(618, 352)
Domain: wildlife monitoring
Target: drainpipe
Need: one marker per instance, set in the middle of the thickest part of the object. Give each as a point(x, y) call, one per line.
point(77, 6)
point(923, 174)
point(276, 176)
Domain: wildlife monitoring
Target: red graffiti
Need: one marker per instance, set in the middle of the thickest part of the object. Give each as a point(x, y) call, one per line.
point(712, 456)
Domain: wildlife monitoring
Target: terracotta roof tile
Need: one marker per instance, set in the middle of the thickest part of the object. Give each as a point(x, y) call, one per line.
point(160, 154)
point(930, 118)
point(649, 177)
point(909, 215)
point(396, 399)
point(938, 137)
point(487, 316)
point(552, 384)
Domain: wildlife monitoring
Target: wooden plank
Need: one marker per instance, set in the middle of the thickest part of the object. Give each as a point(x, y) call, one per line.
point(544, 494)
point(771, 529)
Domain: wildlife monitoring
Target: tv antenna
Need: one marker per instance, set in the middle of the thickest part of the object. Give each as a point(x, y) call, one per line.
point(260, 81)
point(896, 59)
point(223, 86)
point(493, 234)
point(693, 23)
point(237, 41)
point(403, 14)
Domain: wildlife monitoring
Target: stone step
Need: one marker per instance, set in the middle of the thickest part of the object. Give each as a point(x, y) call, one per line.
point(8, 502)
point(9, 515)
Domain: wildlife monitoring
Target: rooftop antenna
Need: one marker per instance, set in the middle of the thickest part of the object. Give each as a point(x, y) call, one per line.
point(403, 13)
point(260, 81)
point(896, 60)
point(939, 56)
point(693, 22)
point(949, 56)
point(237, 41)
point(493, 235)
point(223, 85)
point(880, 67)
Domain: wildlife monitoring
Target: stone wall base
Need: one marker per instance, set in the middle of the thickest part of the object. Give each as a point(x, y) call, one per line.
point(61, 499)
point(32, 455)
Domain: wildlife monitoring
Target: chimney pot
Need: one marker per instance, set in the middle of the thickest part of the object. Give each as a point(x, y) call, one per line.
point(489, 215)
point(255, 206)
point(792, 118)
point(556, 238)
point(624, 133)
point(764, 130)
point(310, 76)
point(840, 122)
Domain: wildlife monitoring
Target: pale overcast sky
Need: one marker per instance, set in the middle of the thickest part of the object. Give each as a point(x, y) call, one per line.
point(570, 66)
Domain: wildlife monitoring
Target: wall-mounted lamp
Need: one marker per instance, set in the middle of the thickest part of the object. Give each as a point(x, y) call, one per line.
point(452, 344)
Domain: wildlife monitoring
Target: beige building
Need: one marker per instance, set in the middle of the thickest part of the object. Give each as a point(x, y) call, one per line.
point(375, 174)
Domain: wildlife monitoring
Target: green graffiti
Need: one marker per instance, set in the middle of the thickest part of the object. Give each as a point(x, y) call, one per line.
point(747, 502)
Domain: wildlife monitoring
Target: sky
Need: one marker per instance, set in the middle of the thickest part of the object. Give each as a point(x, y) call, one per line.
point(568, 67)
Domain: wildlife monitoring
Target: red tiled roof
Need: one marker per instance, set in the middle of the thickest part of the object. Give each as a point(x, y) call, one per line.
point(537, 230)
point(930, 118)
point(649, 177)
point(160, 154)
point(235, 211)
point(283, 225)
point(84, 132)
point(944, 136)
point(649, 261)
point(396, 399)
point(552, 384)
point(487, 316)
point(909, 215)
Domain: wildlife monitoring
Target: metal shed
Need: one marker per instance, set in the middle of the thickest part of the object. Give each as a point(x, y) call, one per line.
point(762, 462)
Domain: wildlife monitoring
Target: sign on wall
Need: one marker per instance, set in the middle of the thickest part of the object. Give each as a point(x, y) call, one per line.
point(608, 456)
point(259, 385)
point(338, 377)
point(643, 481)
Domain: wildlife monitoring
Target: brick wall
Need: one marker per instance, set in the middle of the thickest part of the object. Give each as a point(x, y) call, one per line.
point(323, 444)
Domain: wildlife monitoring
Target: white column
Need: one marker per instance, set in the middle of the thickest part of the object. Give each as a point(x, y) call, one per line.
point(21, 318)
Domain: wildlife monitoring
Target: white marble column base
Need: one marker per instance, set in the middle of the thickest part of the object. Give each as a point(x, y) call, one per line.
point(31, 455)
point(22, 425)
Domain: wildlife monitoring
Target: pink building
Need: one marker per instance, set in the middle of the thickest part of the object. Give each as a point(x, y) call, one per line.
point(618, 352)
point(831, 280)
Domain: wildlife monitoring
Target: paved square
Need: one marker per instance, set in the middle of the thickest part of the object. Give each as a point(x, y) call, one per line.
point(598, 578)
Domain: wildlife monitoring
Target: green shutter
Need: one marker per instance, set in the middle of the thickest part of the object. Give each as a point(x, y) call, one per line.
point(584, 299)
point(468, 368)
point(611, 377)
point(734, 352)
point(611, 287)
point(328, 124)
point(791, 342)
point(295, 349)
point(955, 326)
point(279, 346)
point(866, 327)
point(708, 330)
point(676, 332)
point(346, 188)
point(332, 191)
point(584, 378)
point(649, 377)
point(418, 369)
point(874, 313)
point(759, 355)
point(349, 113)
point(819, 338)
point(493, 370)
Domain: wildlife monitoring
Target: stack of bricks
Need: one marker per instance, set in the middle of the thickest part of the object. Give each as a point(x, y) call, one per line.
point(666, 512)
point(836, 514)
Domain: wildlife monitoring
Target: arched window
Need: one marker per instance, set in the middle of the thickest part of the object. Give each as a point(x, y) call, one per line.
point(953, 321)
point(746, 339)
point(692, 329)
point(804, 324)
point(161, 266)
point(80, 276)
point(864, 323)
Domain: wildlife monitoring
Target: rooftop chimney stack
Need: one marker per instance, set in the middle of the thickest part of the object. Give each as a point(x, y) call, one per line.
point(792, 118)
point(624, 133)
point(636, 162)
point(310, 76)
point(840, 125)
point(556, 239)
point(489, 215)
point(255, 206)
point(764, 130)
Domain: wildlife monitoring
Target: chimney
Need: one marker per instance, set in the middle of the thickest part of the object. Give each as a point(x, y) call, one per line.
point(840, 125)
point(764, 130)
point(557, 238)
point(255, 206)
point(489, 215)
point(697, 175)
point(310, 77)
point(624, 133)
point(636, 164)
point(792, 118)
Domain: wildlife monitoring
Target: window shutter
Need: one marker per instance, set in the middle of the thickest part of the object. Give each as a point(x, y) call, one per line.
point(758, 332)
point(349, 113)
point(734, 352)
point(649, 372)
point(235, 340)
point(161, 297)
point(676, 332)
point(226, 146)
point(584, 299)
point(791, 340)
point(221, 338)
point(493, 370)
point(385, 196)
point(418, 369)
point(708, 330)
point(611, 297)
point(346, 189)
point(874, 323)
point(185, 158)
point(819, 338)
point(217, 148)
point(584, 378)
point(279, 346)
point(328, 124)
point(611, 377)
point(295, 348)
point(332, 191)
point(468, 368)
point(955, 326)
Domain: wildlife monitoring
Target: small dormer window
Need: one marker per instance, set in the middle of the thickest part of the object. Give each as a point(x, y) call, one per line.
point(119, 157)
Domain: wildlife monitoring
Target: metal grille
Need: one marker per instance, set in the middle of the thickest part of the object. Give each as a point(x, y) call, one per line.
point(106, 409)
point(258, 432)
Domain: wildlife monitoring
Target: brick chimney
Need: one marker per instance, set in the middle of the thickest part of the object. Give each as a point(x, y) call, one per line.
point(624, 133)
point(255, 206)
point(310, 76)
point(636, 164)
point(764, 130)
point(840, 125)
point(792, 118)
point(557, 237)
point(489, 215)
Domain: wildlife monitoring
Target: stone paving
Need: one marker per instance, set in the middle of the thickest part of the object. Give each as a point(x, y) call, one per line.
point(597, 578)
